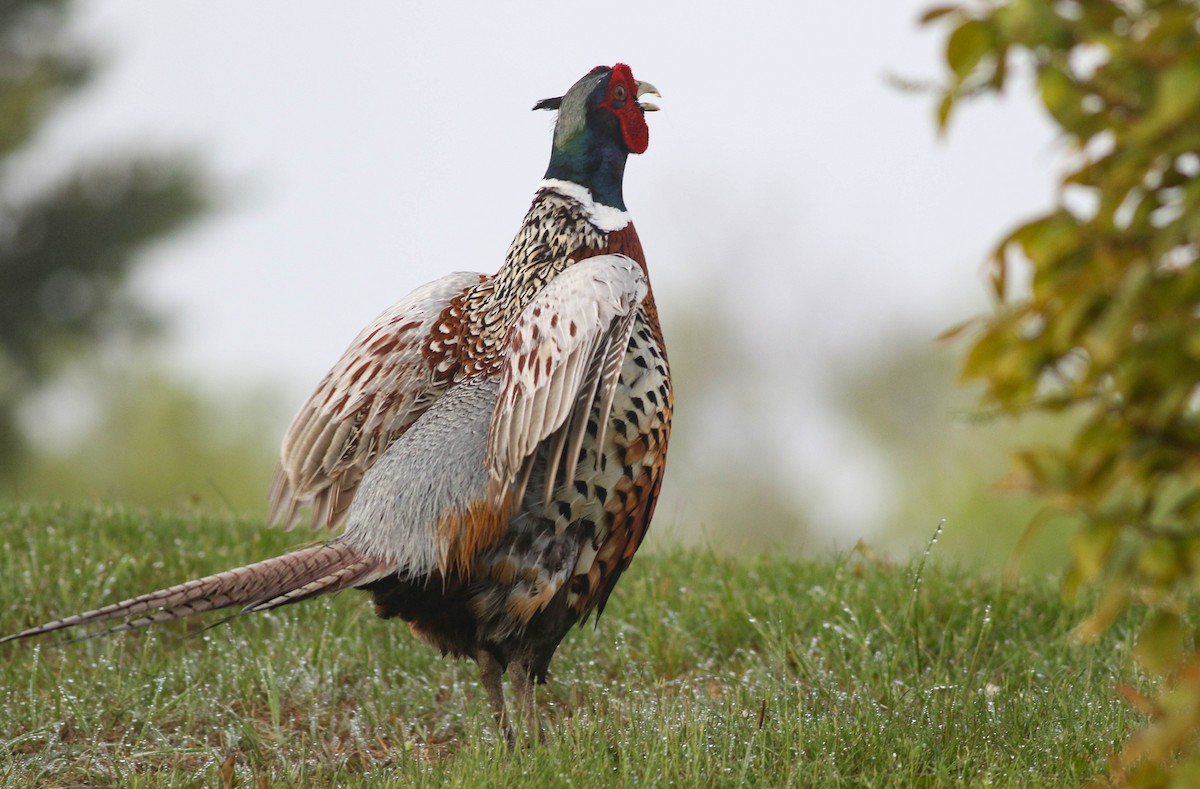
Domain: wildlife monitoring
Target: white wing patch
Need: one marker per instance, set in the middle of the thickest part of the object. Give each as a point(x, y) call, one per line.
point(564, 354)
point(372, 395)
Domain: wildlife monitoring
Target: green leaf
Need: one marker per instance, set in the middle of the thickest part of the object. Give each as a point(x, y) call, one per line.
point(1159, 562)
point(1063, 99)
point(1176, 100)
point(959, 329)
point(1091, 548)
point(1178, 92)
point(943, 111)
point(967, 45)
point(936, 12)
point(1049, 238)
point(1160, 643)
point(1112, 604)
point(1188, 508)
point(997, 271)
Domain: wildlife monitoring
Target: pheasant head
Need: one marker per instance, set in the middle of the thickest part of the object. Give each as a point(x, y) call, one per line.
point(600, 122)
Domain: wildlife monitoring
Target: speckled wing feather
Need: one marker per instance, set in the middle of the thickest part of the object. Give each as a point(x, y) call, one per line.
point(376, 390)
point(563, 355)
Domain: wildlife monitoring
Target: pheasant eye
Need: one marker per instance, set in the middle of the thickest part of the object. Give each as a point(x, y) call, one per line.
point(619, 93)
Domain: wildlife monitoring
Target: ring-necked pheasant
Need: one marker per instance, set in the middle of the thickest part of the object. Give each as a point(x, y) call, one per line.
point(494, 445)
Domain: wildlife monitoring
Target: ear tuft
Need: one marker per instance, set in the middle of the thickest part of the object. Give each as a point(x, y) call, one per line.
point(549, 104)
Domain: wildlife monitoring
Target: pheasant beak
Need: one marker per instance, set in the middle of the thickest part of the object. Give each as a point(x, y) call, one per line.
point(642, 89)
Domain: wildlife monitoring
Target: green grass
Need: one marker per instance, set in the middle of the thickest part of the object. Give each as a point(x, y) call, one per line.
point(705, 671)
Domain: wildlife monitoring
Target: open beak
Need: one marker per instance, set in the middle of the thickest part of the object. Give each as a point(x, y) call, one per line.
point(642, 89)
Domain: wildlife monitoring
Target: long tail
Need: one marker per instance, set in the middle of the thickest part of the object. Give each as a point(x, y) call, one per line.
point(295, 576)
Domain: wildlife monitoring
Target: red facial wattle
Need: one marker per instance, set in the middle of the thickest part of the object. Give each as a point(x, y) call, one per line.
point(622, 102)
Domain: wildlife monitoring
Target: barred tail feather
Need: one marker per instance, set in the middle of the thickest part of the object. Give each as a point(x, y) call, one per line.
point(356, 574)
point(305, 573)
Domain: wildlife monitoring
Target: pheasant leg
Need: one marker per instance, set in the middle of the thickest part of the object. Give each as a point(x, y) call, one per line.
point(523, 692)
point(490, 671)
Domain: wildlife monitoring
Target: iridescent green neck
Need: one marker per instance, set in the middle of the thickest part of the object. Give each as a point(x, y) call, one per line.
point(594, 161)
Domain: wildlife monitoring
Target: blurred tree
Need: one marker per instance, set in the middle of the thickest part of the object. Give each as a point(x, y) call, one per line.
point(1109, 332)
point(725, 467)
point(946, 455)
point(66, 249)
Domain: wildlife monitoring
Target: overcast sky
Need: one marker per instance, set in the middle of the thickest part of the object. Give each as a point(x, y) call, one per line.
point(368, 147)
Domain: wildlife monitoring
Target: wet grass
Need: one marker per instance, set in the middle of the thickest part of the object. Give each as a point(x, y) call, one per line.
point(705, 671)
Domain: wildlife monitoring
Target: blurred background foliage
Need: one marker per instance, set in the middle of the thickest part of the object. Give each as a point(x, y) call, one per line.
point(152, 440)
point(88, 409)
point(949, 458)
point(67, 245)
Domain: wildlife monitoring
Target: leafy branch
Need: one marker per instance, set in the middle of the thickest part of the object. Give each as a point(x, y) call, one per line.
point(1109, 330)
